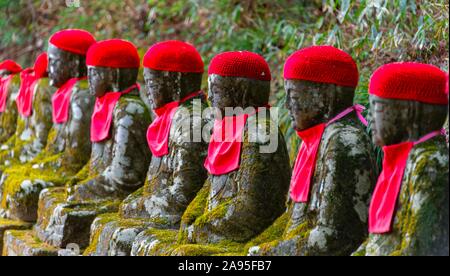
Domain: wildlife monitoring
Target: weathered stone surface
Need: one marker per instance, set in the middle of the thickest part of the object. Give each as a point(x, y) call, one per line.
point(172, 180)
point(6, 224)
point(236, 207)
point(421, 224)
point(114, 236)
point(8, 118)
point(67, 151)
point(154, 242)
point(333, 222)
point(23, 243)
point(61, 223)
point(31, 133)
point(118, 165)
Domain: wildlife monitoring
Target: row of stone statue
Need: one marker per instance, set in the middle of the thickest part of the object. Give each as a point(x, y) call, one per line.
point(83, 165)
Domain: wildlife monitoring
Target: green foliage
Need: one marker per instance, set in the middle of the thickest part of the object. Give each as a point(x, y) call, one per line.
point(374, 32)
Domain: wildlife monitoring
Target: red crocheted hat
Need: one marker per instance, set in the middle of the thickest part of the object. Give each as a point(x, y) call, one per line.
point(174, 56)
point(240, 64)
point(325, 64)
point(40, 66)
point(410, 81)
point(73, 40)
point(115, 53)
point(11, 66)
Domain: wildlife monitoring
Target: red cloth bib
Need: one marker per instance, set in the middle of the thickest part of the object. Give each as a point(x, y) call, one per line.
point(61, 101)
point(224, 150)
point(24, 100)
point(305, 163)
point(387, 190)
point(102, 116)
point(4, 86)
point(159, 130)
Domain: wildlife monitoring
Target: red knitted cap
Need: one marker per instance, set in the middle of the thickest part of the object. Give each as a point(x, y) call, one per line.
point(242, 64)
point(410, 81)
point(10, 66)
point(325, 64)
point(73, 40)
point(174, 56)
point(115, 53)
point(40, 66)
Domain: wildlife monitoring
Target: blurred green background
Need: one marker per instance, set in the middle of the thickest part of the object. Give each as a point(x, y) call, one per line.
point(374, 32)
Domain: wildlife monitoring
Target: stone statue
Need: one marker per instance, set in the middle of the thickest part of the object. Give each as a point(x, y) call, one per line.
point(68, 145)
point(173, 74)
point(247, 183)
point(409, 210)
point(119, 157)
point(334, 170)
point(35, 115)
point(9, 84)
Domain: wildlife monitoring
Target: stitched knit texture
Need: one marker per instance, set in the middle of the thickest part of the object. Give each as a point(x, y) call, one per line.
point(72, 40)
point(174, 56)
point(114, 53)
point(40, 66)
point(242, 64)
point(324, 64)
point(410, 81)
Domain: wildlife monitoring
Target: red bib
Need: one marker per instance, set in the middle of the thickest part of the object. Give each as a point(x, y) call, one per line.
point(387, 190)
point(224, 150)
point(24, 100)
point(4, 86)
point(61, 101)
point(102, 116)
point(159, 130)
point(305, 163)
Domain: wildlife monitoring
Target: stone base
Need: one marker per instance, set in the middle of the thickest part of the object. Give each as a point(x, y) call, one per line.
point(114, 236)
point(154, 242)
point(6, 224)
point(61, 223)
point(23, 243)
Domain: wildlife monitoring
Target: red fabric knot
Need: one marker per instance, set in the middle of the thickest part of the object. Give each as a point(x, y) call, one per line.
point(102, 116)
point(242, 64)
point(174, 56)
point(114, 53)
point(11, 66)
point(305, 162)
point(323, 64)
point(410, 81)
point(159, 130)
point(386, 193)
point(73, 40)
point(61, 101)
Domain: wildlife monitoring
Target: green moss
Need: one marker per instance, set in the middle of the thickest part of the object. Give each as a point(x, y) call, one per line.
point(273, 233)
point(197, 207)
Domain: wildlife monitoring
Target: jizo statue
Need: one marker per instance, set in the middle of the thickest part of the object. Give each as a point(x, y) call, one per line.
point(408, 214)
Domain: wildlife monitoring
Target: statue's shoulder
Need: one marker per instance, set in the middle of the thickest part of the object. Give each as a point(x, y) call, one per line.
point(131, 105)
point(82, 85)
point(430, 157)
point(347, 135)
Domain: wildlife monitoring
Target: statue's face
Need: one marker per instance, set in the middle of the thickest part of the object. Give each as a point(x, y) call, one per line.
point(62, 66)
point(223, 92)
point(312, 103)
point(308, 103)
point(101, 80)
point(161, 87)
point(392, 120)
